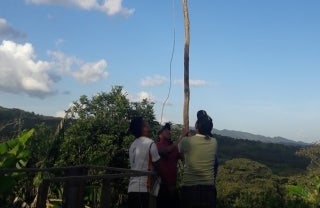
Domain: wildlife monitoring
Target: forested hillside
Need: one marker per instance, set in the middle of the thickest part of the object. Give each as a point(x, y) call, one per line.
point(255, 137)
point(280, 158)
point(251, 174)
point(15, 120)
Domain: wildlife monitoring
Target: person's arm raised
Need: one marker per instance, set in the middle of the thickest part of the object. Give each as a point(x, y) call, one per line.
point(170, 148)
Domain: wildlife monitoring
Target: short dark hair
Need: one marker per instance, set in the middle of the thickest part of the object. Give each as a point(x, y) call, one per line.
point(204, 123)
point(166, 126)
point(136, 126)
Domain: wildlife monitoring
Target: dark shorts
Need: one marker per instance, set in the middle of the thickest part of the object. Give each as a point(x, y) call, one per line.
point(138, 199)
point(199, 196)
point(168, 197)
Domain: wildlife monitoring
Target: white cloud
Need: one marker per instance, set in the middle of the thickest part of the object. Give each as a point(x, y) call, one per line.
point(144, 95)
point(198, 82)
point(113, 7)
point(109, 7)
point(60, 114)
point(62, 62)
point(141, 96)
point(84, 72)
point(7, 31)
point(193, 82)
point(21, 72)
point(153, 80)
point(91, 72)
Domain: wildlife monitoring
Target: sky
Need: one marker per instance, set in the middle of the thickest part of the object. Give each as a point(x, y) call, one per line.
point(254, 65)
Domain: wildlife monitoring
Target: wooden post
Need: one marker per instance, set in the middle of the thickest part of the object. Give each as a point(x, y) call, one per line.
point(73, 192)
point(42, 194)
point(105, 199)
point(186, 65)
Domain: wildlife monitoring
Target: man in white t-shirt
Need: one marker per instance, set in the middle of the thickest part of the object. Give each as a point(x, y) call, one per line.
point(143, 155)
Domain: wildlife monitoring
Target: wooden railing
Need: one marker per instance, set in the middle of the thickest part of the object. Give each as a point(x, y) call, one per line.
point(74, 180)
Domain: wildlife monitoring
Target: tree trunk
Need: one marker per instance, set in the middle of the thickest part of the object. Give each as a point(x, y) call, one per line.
point(186, 65)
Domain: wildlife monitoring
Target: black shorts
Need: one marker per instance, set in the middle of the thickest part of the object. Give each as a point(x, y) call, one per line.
point(138, 199)
point(204, 196)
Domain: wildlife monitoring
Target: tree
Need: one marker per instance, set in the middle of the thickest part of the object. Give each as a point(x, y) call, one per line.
point(42, 139)
point(313, 153)
point(306, 189)
point(306, 192)
point(98, 132)
point(246, 183)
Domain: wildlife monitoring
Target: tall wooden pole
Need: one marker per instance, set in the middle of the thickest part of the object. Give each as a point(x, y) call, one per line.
point(186, 64)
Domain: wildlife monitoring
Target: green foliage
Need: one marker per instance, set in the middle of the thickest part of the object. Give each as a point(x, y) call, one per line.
point(246, 183)
point(282, 159)
point(306, 189)
point(298, 191)
point(39, 145)
point(97, 133)
point(307, 192)
point(14, 121)
point(15, 155)
point(313, 153)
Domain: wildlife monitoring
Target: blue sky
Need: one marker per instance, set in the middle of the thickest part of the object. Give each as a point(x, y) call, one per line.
point(254, 65)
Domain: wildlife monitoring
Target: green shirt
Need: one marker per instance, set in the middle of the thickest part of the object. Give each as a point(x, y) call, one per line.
point(199, 153)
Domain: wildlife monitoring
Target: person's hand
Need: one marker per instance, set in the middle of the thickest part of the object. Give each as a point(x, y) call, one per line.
point(184, 132)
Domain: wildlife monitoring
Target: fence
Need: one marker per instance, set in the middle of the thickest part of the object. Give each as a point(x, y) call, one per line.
point(74, 180)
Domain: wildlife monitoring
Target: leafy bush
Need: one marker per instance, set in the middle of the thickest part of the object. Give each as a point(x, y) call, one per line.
point(13, 155)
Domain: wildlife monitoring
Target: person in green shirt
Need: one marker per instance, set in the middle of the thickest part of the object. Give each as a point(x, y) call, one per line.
point(200, 168)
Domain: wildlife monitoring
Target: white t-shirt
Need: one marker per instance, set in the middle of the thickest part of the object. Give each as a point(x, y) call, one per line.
point(139, 160)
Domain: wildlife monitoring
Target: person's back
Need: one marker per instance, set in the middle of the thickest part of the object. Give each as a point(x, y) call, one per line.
point(140, 153)
point(200, 169)
point(143, 154)
point(200, 153)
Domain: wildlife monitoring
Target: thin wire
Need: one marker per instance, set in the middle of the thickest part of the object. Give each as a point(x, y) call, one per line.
point(171, 59)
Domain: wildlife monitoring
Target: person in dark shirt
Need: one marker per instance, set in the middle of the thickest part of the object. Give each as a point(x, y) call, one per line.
point(169, 156)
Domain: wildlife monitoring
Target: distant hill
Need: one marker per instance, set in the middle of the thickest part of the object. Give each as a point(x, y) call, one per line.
point(281, 158)
point(273, 152)
point(13, 120)
point(254, 137)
